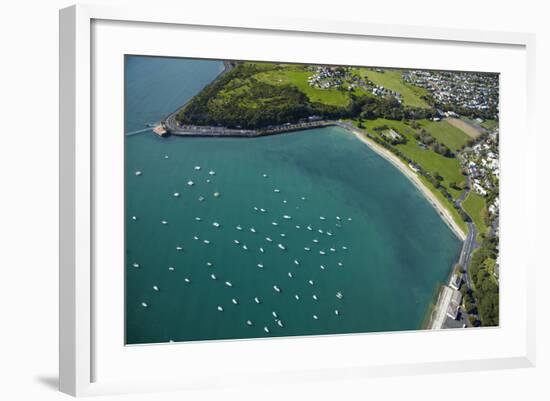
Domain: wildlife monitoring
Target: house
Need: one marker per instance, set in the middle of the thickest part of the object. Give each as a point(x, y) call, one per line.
point(453, 310)
point(456, 281)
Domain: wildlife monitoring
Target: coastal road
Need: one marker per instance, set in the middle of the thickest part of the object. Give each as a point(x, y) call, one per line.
point(468, 248)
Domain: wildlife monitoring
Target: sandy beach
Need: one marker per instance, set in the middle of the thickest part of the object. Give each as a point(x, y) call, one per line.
point(411, 175)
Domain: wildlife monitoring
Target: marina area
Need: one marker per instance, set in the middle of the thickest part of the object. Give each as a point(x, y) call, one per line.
point(231, 238)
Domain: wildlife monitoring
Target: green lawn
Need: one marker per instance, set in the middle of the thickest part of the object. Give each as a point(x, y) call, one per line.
point(474, 205)
point(490, 124)
point(446, 134)
point(392, 79)
point(298, 75)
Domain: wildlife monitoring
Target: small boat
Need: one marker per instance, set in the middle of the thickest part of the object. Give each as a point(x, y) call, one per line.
point(264, 175)
point(144, 304)
point(249, 323)
point(260, 265)
point(197, 219)
point(216, 224)
point(229, 284)
point(266, 329)
point(252, 229)
point(212, 172)
point(284, 201)
point(281, 246)
point(276, 190)
point(321, 218)
point(201, 198)
point(274, 223)
point(329, 233)
point(262, 250)
point(283, 235)
point(297, 297)
point(309, 228)
point(134, 218)
point(239, 228)
point(276, 288)
point(209, 264)
point(315, 317)
point(166, 156)
point(208, 181)
point(322, 267)
point(195, 238)
point(338, 218)
point(349, 218)
point(298, 227)
point(290, 275)
point(262, 210)
point(197, 168)
point(171, 268)
point(187, 280)
point(179, 248)
point(315, 297)
point(307, 249)
point(255, 208)
point(236, 241)
point(235, 302)
point(268, 239)
point(322, 253)
point(340, 264)
point(216, 194)
point(136, 265)
point(345, 248)
point(339, 295)
point(310, 282)
point(257, 300)
point(336, 312)
point(155, 288)
point(213, 277)
point(303, 198)
point(296, 262)
point(206, 241)
point(332, 250)
point(220, 308)
point(275, 314)
point(164, 222)
point(176, 194)
point(245, 247)
point(320, 231)
point(190, 183)
point(280, 323)
point(138, 173)
point(316, 241)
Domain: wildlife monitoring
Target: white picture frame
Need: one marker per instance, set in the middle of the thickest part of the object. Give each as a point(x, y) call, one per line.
point(82, 342)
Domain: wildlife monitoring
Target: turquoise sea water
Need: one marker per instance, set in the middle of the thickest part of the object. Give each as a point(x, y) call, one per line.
point(390, 248)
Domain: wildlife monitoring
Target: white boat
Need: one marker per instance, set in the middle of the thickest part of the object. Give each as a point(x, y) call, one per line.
point(290, 275)
point(209, 264)
point(310, 282)
point(264, 175)
point(245, 247)
point(220, 308)
point(197, 168)
point(315, 317)
point(284, 201)
point(155, 288)
point(190, 183)
point(275, 314)
point(336, 312)
point(280, 323)
point(298, 227)
point(339, 295)
point(316, 241)
point(187, 280)
point(257, 300)
point(216, 224)
point(262, 210)
point(229, 284)
point(252, 229)
point(322, 267)
point(349, 218)
point(216, 194)
point(197, 219)
point(164, 222)
point(134, 218)
point(307, 249)
point(138, 173)
point(322, 253)
point(340, 264)
point(329, 233)
point(249, 322)
point(332, 250)
point(281, 246)
point(255, 208)
point(171, 268)
point(276, 190)
point(321, 218)
point(266, 329)
point(283, 235)
point(176, 194)
point(338, 218)
point(239, 228)
point(144, 304)
point(303, 198)
point(166, 156)
point(274, 223)
point(262, 250)
point(206, 241)
point(276, 288)
point(236, 241)
point(195, 238)
point(315, 297)
point(309, 228)
point(345, 248)
point(136, 265)
point(208, 181)
point(260, 265)
point(297, 297)
point(179, 248)
point(212, 172)
point(213, 277)
point(201, 198)
point(235, 302)
point(320, 231)
point(268, 239)
point(296, 262)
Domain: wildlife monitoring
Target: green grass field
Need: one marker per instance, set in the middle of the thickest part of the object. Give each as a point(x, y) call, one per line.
point(489, 124)
point(392, 79)
point(474, 205)
point(446, 134)
point(298, 75)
